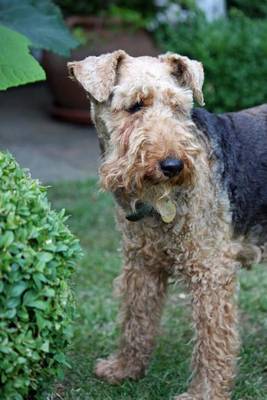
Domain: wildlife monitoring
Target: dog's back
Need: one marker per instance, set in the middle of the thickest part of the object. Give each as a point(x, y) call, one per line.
point(239, 143)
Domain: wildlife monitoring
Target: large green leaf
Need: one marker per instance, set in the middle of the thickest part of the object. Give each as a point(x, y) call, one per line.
point(40, 21)
point(17, 66)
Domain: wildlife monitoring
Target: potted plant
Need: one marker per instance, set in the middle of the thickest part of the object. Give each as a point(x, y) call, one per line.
point(116, 28)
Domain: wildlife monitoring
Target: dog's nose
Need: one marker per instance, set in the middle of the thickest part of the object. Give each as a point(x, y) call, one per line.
point(171, 167)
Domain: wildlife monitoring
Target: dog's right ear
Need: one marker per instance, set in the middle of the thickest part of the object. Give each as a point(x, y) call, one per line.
point(97, 75)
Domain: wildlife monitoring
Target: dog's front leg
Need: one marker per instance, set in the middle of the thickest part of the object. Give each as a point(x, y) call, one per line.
point(217, 343)
point(143, 291)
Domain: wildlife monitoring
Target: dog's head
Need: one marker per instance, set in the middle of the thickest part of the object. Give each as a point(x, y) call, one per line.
point(141, 107)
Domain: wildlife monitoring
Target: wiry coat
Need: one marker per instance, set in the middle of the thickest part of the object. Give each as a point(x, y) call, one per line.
point(239, 144)
point(200, 224)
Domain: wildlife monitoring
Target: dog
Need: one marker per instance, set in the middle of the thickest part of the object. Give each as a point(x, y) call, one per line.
point(191, 194)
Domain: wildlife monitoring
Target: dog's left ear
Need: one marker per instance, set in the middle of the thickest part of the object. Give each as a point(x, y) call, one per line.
point(188, 72)
point(97, 75)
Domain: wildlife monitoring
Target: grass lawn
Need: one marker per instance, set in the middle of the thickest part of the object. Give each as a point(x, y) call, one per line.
point(96, 334)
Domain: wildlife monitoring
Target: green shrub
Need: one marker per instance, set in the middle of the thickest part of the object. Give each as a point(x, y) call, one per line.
point(253, 9)
point(234, 54)
point(37, 256)
point(99, 7)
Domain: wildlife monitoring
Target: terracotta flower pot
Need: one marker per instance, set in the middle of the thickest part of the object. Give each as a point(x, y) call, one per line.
point(103, 35)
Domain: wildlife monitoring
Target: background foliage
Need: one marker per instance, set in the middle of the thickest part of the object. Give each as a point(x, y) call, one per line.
point(25, 25)
point(38, 254)
point(17, 66)
point(253, 9)
point(233, 52)
point(100, 7)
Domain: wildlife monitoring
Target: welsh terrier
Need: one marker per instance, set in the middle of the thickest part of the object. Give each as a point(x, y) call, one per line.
point(191, 194)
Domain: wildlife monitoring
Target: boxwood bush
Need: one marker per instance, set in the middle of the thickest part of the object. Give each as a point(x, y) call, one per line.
point(37, 256)
point(233, 51)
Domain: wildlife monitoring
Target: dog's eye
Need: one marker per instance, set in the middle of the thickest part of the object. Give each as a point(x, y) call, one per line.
point(136, 107)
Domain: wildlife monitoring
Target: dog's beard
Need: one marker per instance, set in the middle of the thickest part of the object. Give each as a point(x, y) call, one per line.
point(154, 192)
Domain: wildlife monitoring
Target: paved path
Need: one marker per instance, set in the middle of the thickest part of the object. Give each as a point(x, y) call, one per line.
point(51, 149)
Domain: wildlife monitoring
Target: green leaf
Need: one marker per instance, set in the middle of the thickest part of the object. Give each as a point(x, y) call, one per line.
point(42, 322)
point(45, 346)
point(4, 347)
point(40, 305)
point(40, 21)
point(11, 313)
point(12, 302)
point(61, 358)
point(38, 279)
point(17, 66)
point(45, 257)
point(7, 238)
point(29, 298)
point(48, 292)
point(18, 289)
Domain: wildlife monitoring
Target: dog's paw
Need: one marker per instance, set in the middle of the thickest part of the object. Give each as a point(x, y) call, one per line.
point(114, 370)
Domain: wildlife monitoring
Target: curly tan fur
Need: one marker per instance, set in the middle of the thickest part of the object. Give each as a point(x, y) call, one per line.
point(196, 245)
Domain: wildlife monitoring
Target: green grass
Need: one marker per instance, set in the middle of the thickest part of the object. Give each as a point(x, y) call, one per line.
point(96, 333)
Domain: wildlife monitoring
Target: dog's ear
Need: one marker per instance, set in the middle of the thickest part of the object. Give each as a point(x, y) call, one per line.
point(97, 75)
point(188, 72)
